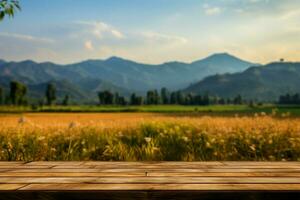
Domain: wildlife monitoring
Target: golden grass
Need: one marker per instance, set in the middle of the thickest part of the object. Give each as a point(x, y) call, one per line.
point(149, 137)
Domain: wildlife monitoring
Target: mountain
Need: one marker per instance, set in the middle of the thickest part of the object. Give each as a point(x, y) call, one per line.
point(266, 82)
point(118, 74)
point(173, 75)
point(2, 62)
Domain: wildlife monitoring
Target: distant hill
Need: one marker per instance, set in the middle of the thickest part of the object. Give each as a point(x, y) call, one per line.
point(2, 62)
point(262, 83)
point(173, 75)
point(117, 74)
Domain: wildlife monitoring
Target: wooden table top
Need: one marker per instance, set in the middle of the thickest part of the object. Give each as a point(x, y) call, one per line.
point(150, 176)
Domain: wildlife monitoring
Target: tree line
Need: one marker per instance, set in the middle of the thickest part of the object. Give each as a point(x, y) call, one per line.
point(292, 99)
point(17, 95)
point(165, 97)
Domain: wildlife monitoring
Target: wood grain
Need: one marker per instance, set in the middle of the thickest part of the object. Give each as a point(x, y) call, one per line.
point(145, 176)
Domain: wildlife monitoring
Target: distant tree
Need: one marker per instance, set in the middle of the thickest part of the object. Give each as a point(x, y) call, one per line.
point(17, 93)
point(106, 97)
point(116, 99)
point(198, 100)
point(51, 94)
point(189, 99)
point(139, 101)
point(295, 99)
point(133, 99)
point(238, 100)
point(156, 99)
point(122, 101)
point(66, 100)
point(41, 102)
point(222, 101)
point(289, 99)
point(180, 98)
point(150, 97)
point(173, 98)
point(206, 100)
point(1, 95)
point(165, 96)
point(136, 100)
point(8, 8)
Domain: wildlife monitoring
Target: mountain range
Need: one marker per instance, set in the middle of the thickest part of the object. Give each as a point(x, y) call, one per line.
point(262, 83)
point(221, 74)
point(84, 79)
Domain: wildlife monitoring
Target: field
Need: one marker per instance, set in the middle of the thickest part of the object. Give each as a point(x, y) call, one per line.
point(210, 110)
point(149, 137)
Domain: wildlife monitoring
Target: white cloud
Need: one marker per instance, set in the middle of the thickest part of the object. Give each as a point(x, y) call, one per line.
point(164, 38)
point(89, 45)
point(26, 37)
point(101, 30)
point(211, 10)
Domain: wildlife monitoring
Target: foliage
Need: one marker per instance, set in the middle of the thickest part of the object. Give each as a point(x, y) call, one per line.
point(125, 138)
point(293, 99)
point(1, 95)
point(66, 100)
point(18, 93)
point(51, 94)
point(106, 98)
point(8, 7)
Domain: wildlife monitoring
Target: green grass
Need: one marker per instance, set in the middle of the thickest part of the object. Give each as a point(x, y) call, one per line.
point(271, 141)
point(213, 109)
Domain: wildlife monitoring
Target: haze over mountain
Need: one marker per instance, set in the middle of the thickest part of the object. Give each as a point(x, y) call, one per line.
point(117, 74)
point(266, 82)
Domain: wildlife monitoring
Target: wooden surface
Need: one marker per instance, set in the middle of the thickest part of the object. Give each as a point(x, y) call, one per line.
point(49, 179)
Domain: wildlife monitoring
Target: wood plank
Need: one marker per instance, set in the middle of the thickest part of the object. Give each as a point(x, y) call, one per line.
point(154, 174)
point(149, 167)
point(154, 180)
point(162, 163)
point(167, 187)
point(191, 167)
point(26, 166)
point(150, 176)
point(55, 163)
point(71, 174)
point(11, 163)
point(129, 170)
point(8, 187)
point(262, 163)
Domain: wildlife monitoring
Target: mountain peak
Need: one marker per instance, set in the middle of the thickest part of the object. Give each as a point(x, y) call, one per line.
point(222, 56)
point(27, 62)
point(114, 59)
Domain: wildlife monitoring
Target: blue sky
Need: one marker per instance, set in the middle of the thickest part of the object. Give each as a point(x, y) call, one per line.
point(152, 31)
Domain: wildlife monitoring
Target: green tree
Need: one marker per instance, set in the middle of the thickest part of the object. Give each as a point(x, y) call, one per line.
point(1, 95)
point(106, 97)
point(116, 98)
point(238, 100)
point(206, 100)
point(18, 93)
point(136, 100)
point(173, 98)
point(8, 8)
point(180, 98)
point(165, 96)
point(133, 99)
point(51, 94)
point(150, 97)
point(66, 100)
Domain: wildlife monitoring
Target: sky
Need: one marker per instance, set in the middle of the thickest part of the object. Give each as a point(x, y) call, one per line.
point(152, 31)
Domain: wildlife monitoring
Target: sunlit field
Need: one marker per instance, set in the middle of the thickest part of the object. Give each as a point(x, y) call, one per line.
point(148, 137)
